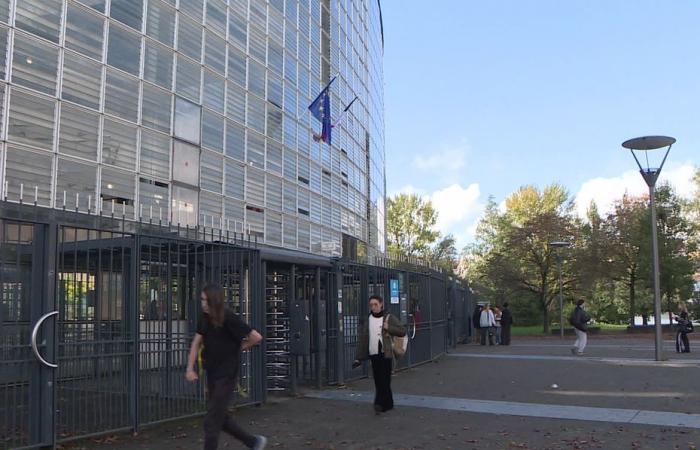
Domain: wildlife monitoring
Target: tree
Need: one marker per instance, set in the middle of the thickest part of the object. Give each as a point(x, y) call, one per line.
point(444, 253)
point(410, 225)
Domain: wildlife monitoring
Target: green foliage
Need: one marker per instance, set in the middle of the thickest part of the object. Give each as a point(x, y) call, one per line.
point(410, 225)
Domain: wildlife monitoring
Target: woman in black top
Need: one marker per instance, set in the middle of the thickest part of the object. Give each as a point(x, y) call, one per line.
point(225, 336)
point(685, 326)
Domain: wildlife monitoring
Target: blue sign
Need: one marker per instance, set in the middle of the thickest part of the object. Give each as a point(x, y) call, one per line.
point(394, 287)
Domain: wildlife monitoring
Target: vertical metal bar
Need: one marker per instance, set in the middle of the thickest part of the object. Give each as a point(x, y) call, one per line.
point(291, 300)
point(658, 335)
point(317, 328)
point(340, 348)
point(132, 299)
point(262, 307)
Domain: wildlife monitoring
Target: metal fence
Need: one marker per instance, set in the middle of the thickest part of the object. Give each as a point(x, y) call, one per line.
point(96, 317)
point(97, 314)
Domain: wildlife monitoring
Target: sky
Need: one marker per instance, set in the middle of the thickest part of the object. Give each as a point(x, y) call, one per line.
point(482, 97)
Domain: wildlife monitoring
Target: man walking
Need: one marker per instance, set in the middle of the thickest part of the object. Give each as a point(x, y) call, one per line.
point(579, 319)
point(506, 323)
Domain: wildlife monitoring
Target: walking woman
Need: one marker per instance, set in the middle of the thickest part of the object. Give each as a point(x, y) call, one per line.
point(225, 336)
point(375, 344)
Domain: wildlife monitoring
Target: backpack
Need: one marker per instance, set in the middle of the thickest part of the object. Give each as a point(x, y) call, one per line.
point(399, 345)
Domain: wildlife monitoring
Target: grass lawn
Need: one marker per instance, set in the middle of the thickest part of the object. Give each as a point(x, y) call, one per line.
point(536, 330)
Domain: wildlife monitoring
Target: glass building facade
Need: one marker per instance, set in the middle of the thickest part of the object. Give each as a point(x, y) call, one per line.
point(196, 112)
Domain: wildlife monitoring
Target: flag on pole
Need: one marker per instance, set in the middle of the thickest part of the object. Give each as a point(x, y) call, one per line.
point(340, 117)
point(321, 110)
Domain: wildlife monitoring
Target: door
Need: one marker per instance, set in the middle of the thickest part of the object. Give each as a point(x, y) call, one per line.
point(27, 329)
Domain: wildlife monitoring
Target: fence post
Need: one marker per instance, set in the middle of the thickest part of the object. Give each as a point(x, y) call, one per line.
point(340, 341)
point(291, 300)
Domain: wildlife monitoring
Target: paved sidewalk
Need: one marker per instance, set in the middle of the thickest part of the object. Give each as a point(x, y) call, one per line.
point(483, 398)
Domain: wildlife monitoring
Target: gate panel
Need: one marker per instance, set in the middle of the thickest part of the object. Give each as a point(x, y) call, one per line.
point(95, 343)
point(20, 307)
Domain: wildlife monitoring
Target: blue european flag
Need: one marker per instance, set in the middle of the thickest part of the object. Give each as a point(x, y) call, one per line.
point(321, 110)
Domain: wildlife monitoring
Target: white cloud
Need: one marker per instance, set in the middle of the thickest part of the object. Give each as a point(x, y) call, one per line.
point(451, 157)
point(605, 191)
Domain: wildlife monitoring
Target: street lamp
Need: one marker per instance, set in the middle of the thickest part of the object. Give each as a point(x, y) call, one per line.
point(558, 245)
point(650, 175)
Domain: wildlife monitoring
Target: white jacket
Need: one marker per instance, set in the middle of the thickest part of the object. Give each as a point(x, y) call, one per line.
point(487, 319)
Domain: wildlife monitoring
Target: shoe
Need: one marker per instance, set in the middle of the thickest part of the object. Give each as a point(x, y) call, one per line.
point(579, 353)
point(260, 443)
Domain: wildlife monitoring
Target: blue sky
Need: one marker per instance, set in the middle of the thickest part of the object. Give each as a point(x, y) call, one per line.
point(482, 97)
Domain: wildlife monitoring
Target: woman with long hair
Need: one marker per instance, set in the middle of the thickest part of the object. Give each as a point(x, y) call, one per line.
point(224, 336)
point(375, 344)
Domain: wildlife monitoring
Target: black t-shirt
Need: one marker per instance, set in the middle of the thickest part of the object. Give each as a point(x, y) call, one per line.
point(222, 345)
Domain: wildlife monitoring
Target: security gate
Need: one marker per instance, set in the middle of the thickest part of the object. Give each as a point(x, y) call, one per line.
point(96, 323)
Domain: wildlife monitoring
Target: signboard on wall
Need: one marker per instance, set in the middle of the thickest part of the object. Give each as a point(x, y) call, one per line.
point(394, 288)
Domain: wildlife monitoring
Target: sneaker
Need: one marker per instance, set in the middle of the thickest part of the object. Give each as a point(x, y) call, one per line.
point(579, 353)
point(260, 443)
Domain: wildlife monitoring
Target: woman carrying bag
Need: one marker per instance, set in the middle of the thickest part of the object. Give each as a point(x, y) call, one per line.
point(375, 344)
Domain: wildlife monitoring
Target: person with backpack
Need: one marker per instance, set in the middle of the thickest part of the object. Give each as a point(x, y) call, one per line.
point(377, 338)
point(224, 336)
point(579, 320)
point(685, 326)
point(506, 323)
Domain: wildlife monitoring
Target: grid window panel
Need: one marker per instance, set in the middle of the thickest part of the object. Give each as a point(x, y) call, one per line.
point(118, 189)
point(34, 64)
point(155, 154)
point(160, 24)
point(256, 113)
point(234, 212)
point(237, 66)
point(213, 95)
point(273, 228)
point(26, 173)
point(31, 120)
point(273, 193)
point(257, 41)
point(256, 79)
point(185, 204)
point(158, 65)
point(255, 186)
point(238, 30)
point(303, 201)
point(78, 132)
point(274, 122)
point(4, 11)
point(124, 51)
point(258, 11)
point(304, 170)
point(73, 177)
point(185, 163)
point(255, 150)
point(82, 80)
point(212, 131)
point(3, 52)
point(3, 91)
point(290, 165)
point(274, 90)
point(255, 221)
point(194, 8)
point(210, 209)
point(326, 214)
point(290, 99)
point(212, 167)
point(189, 78)
point(290, 231)
point(189, 37)
point(315, 208)
point(290, 198)
point(40, 17)
point(274, 157)
point(235, 179)
point(315, 179)
point(122, 96)
point(156, 108)
point(235, 141)
point(290, 69)
point(119, 144)
point(290, 38)
point(235, 102)
point(304, 236)
point(215, 53)
point(84, 32)
point(188, 118)
point(216, 16)
point(128, 12)
point(275, 57)
point(154, 199)
point(275, 25)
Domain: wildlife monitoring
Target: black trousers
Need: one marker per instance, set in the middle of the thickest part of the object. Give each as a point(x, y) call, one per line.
point(486, 332)
point(217, 418)
point(381, 369)
point(682, 342)
point(505, 335)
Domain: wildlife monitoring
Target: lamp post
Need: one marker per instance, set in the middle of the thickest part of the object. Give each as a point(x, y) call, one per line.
point(558, 245)
point(651, 175)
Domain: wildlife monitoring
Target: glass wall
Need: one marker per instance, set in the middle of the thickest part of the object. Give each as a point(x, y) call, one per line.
point(196, 111)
